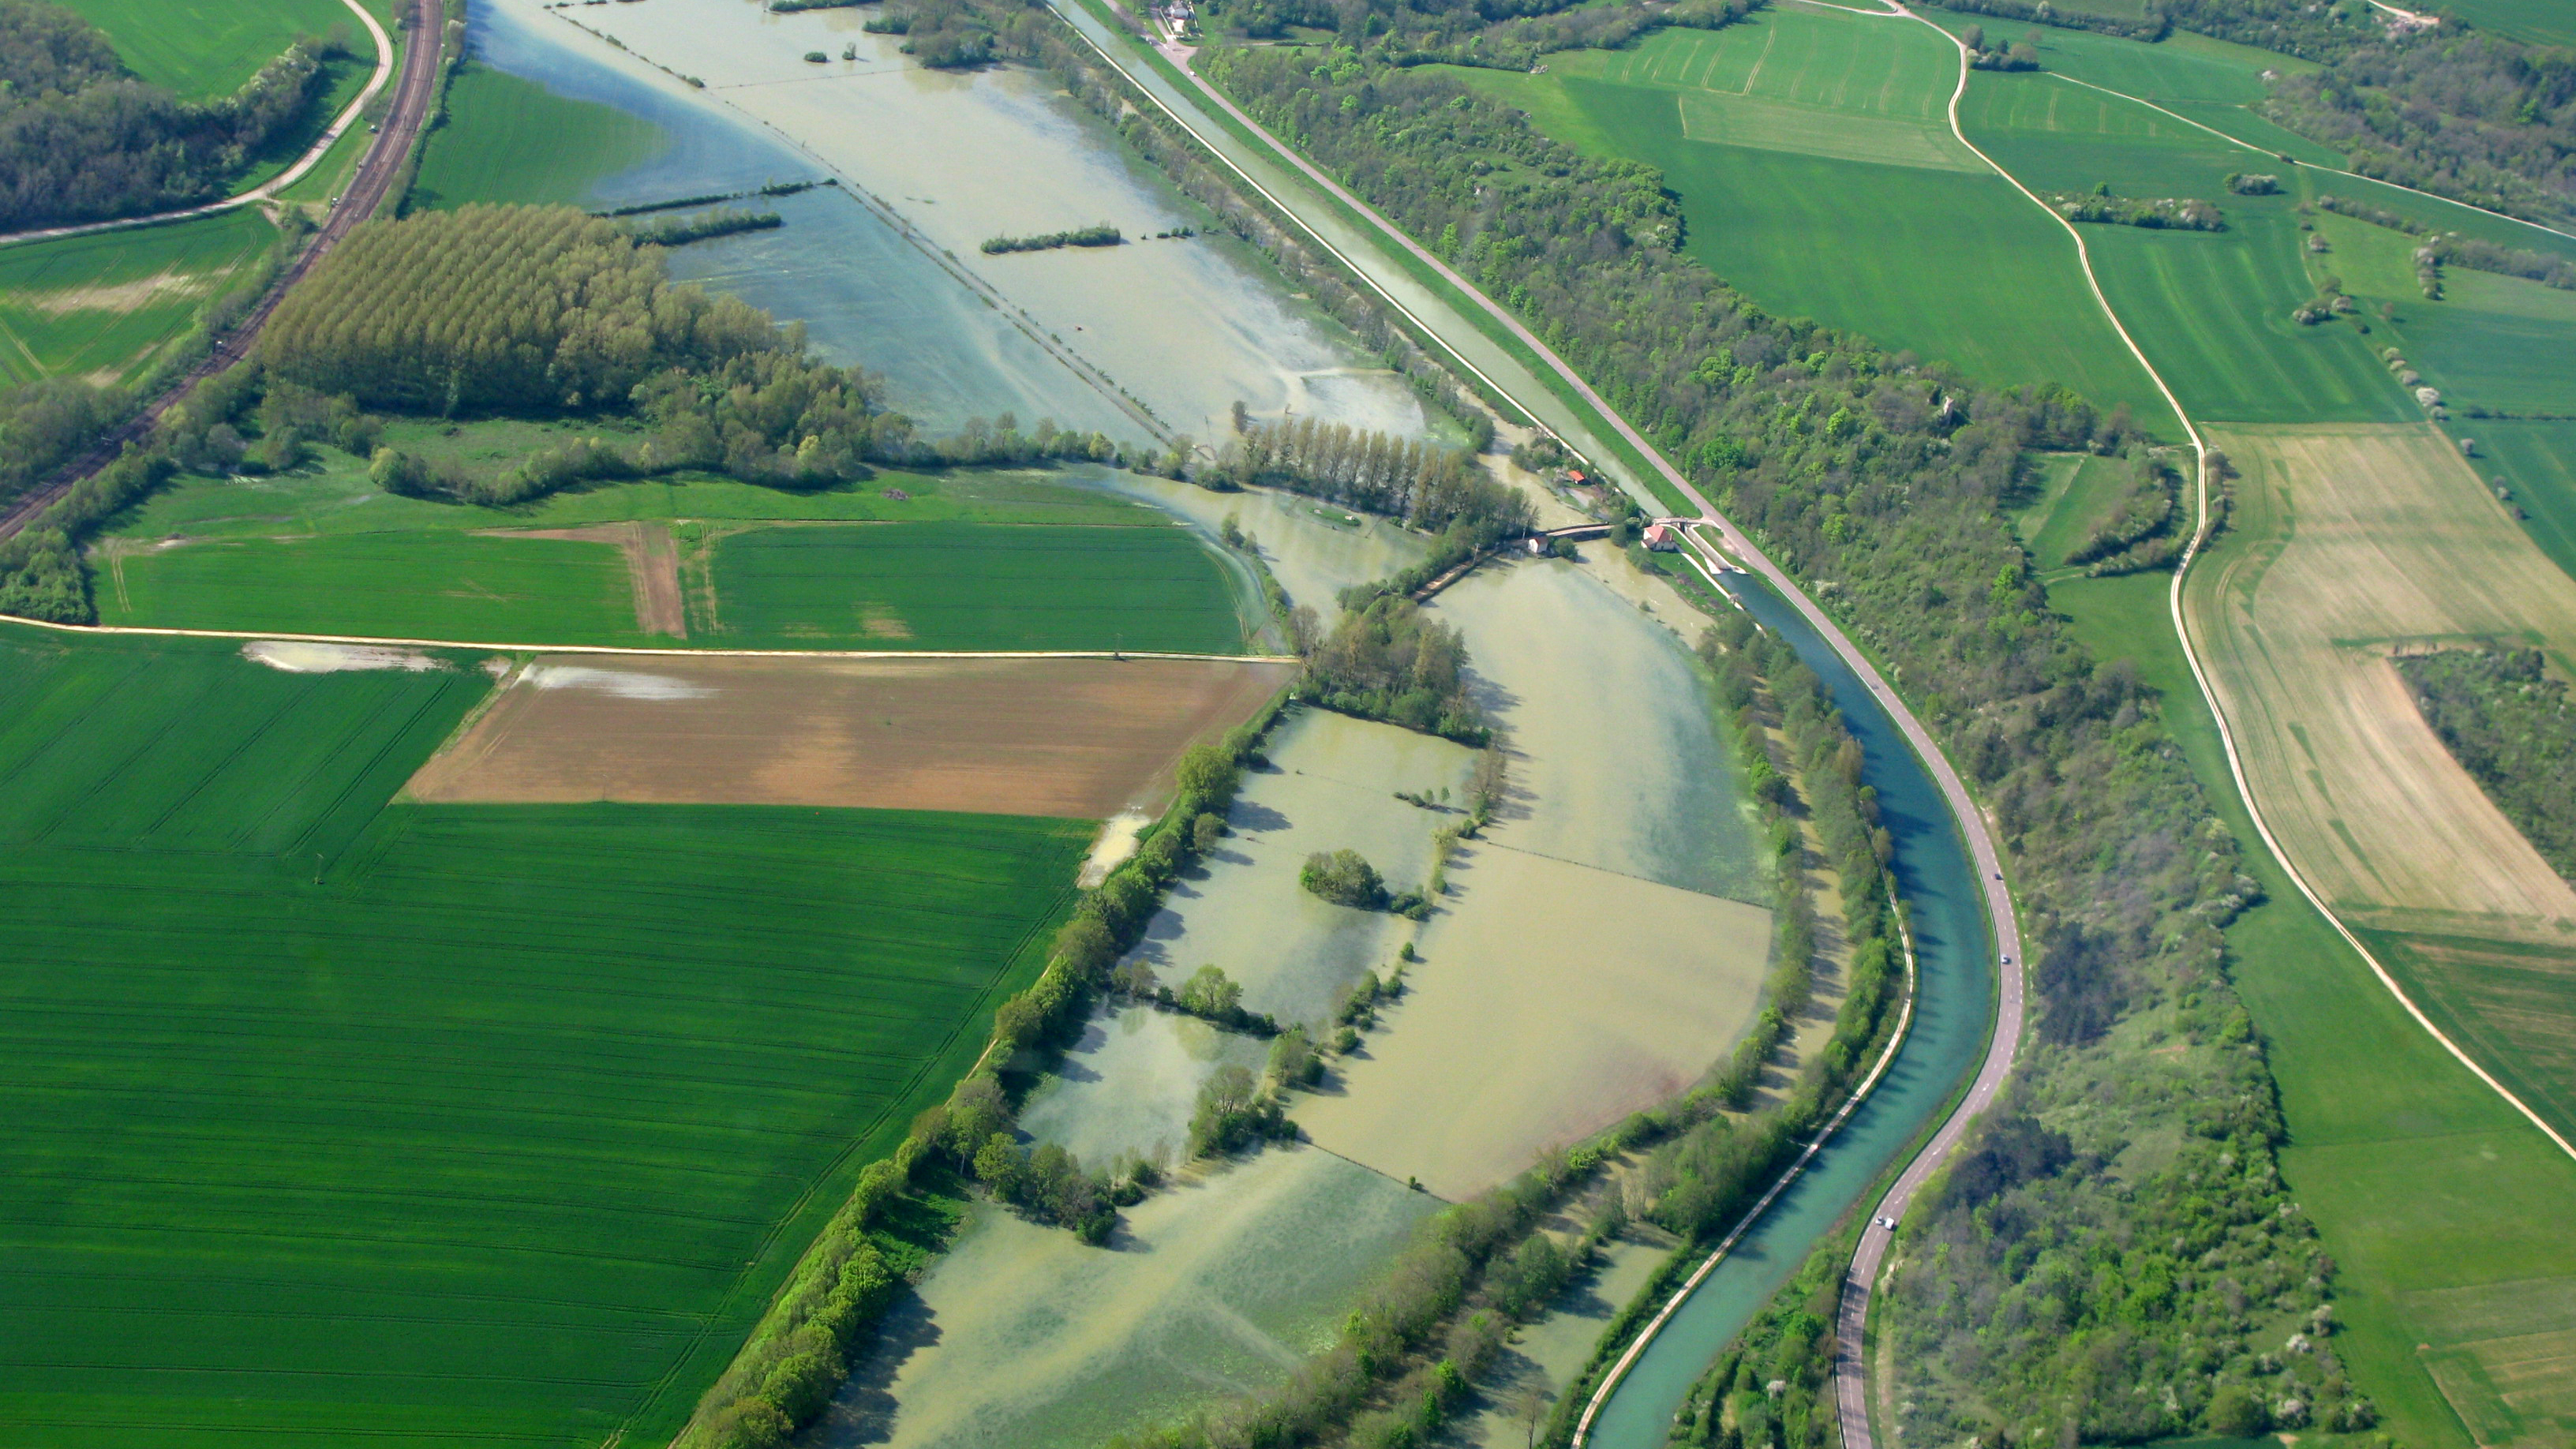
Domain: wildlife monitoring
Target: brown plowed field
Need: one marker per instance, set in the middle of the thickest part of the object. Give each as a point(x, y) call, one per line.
point(1076, 738)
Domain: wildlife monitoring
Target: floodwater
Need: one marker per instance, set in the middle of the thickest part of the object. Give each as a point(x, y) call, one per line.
point(1131, 1083)
point(1553, 999)
point(1615, 755)
point(1022, 1338)
point(868, 296)
point(1329, 786)
point(1953, 1014)
point(1595, 953)
point(1186, 327)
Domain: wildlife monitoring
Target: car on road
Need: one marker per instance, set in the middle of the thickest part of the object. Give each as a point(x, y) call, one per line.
point(1885, 1222)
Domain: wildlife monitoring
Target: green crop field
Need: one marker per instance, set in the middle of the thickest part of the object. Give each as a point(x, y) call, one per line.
point(209, 47)
point(512, 140)
point(2537, 463)
point(2424, 1184)
point(1778, 134)
point(2212, 309)
point(331, 1121)
point(2077, 495)
point(2542, 22)
point(333, 496)
point(441, 585)
point(967, 586)
point(104, 305)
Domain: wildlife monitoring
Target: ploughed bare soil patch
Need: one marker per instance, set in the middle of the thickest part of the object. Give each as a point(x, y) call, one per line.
point(652, 566)
point(1076, 738)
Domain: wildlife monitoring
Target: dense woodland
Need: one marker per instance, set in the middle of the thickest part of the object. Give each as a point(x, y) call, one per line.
point(2488, 120)
point(81, 140)
point(1498, 34)
point(2508, 724)
point(1388, 660)
point(1886, 476)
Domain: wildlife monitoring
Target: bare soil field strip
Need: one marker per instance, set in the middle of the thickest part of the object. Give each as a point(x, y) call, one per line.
point(1525, 1028)
point(652, 564)
point(1071, 738)
point(2361, 539)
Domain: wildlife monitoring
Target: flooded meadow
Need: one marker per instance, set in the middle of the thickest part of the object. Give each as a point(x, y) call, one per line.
point(1183, 326)
point(1594, 950)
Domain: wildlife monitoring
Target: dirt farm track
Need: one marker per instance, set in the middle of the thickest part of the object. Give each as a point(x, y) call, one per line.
point(1075, 738)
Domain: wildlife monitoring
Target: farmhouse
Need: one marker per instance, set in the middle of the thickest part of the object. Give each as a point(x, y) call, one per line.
point(1664, 537)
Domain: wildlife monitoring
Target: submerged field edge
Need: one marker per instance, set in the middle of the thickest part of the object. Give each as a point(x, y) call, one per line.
point(806, 1292)
point(664, 651)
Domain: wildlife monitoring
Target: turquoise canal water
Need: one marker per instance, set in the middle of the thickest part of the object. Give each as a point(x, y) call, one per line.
point(1953, 1015)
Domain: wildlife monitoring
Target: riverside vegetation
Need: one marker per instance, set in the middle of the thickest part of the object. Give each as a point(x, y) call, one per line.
point(1887, 476)
point(1413, 1350)
point(2508, 725)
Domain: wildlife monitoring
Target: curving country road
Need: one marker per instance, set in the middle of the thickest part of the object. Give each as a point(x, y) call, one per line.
point(1972, 825)
point(268, 189)
point(366, 192)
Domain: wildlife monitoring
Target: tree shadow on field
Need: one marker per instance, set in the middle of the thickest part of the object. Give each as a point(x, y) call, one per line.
point(1250, 817)
point(864, 1411)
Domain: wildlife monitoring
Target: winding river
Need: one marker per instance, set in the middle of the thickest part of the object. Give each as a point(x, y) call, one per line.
point(1954, 1012)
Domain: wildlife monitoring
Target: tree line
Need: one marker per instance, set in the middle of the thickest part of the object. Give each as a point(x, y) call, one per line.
point(82, 140)
point(1886, 474)
point(2507, 723)
point(1428, 486)
point(1388, 660)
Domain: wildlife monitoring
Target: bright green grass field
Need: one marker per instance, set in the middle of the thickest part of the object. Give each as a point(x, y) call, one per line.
point(428, 585)
point(503, 1132)
point(2537, 461)
point(2212, 309)
point(2541, 22)
point(1775, 133)
point(968, 586)
point(209, 47)
point(512, 140)
point(2427, 1188)
point(105, 304)
point(2077, 494)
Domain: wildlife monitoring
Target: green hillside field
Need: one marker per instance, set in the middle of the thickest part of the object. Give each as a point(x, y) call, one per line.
point(1817, 174)
point(332, 1120)
point(203, 48)
point(2430, 1192)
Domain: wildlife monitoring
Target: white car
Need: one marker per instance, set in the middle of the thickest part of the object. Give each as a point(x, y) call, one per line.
point(1887, 1223)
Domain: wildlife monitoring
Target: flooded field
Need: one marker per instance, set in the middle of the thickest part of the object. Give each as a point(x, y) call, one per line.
point(1022, 1338)
point(1594, 953)
point(867, 296)
point(1551, 1000)
point(1330, 786)
point(1616, 759)
point(1185, 326)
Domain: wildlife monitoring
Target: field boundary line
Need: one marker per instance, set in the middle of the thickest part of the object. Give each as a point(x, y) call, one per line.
point(2182, 630)
point(266, 190)
point(2329, 170)
point(664, 652)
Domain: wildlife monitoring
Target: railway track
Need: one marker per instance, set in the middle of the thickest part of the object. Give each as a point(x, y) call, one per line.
point(375, 179)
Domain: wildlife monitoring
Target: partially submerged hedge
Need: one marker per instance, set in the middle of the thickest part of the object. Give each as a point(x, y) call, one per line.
point(798, 1355)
